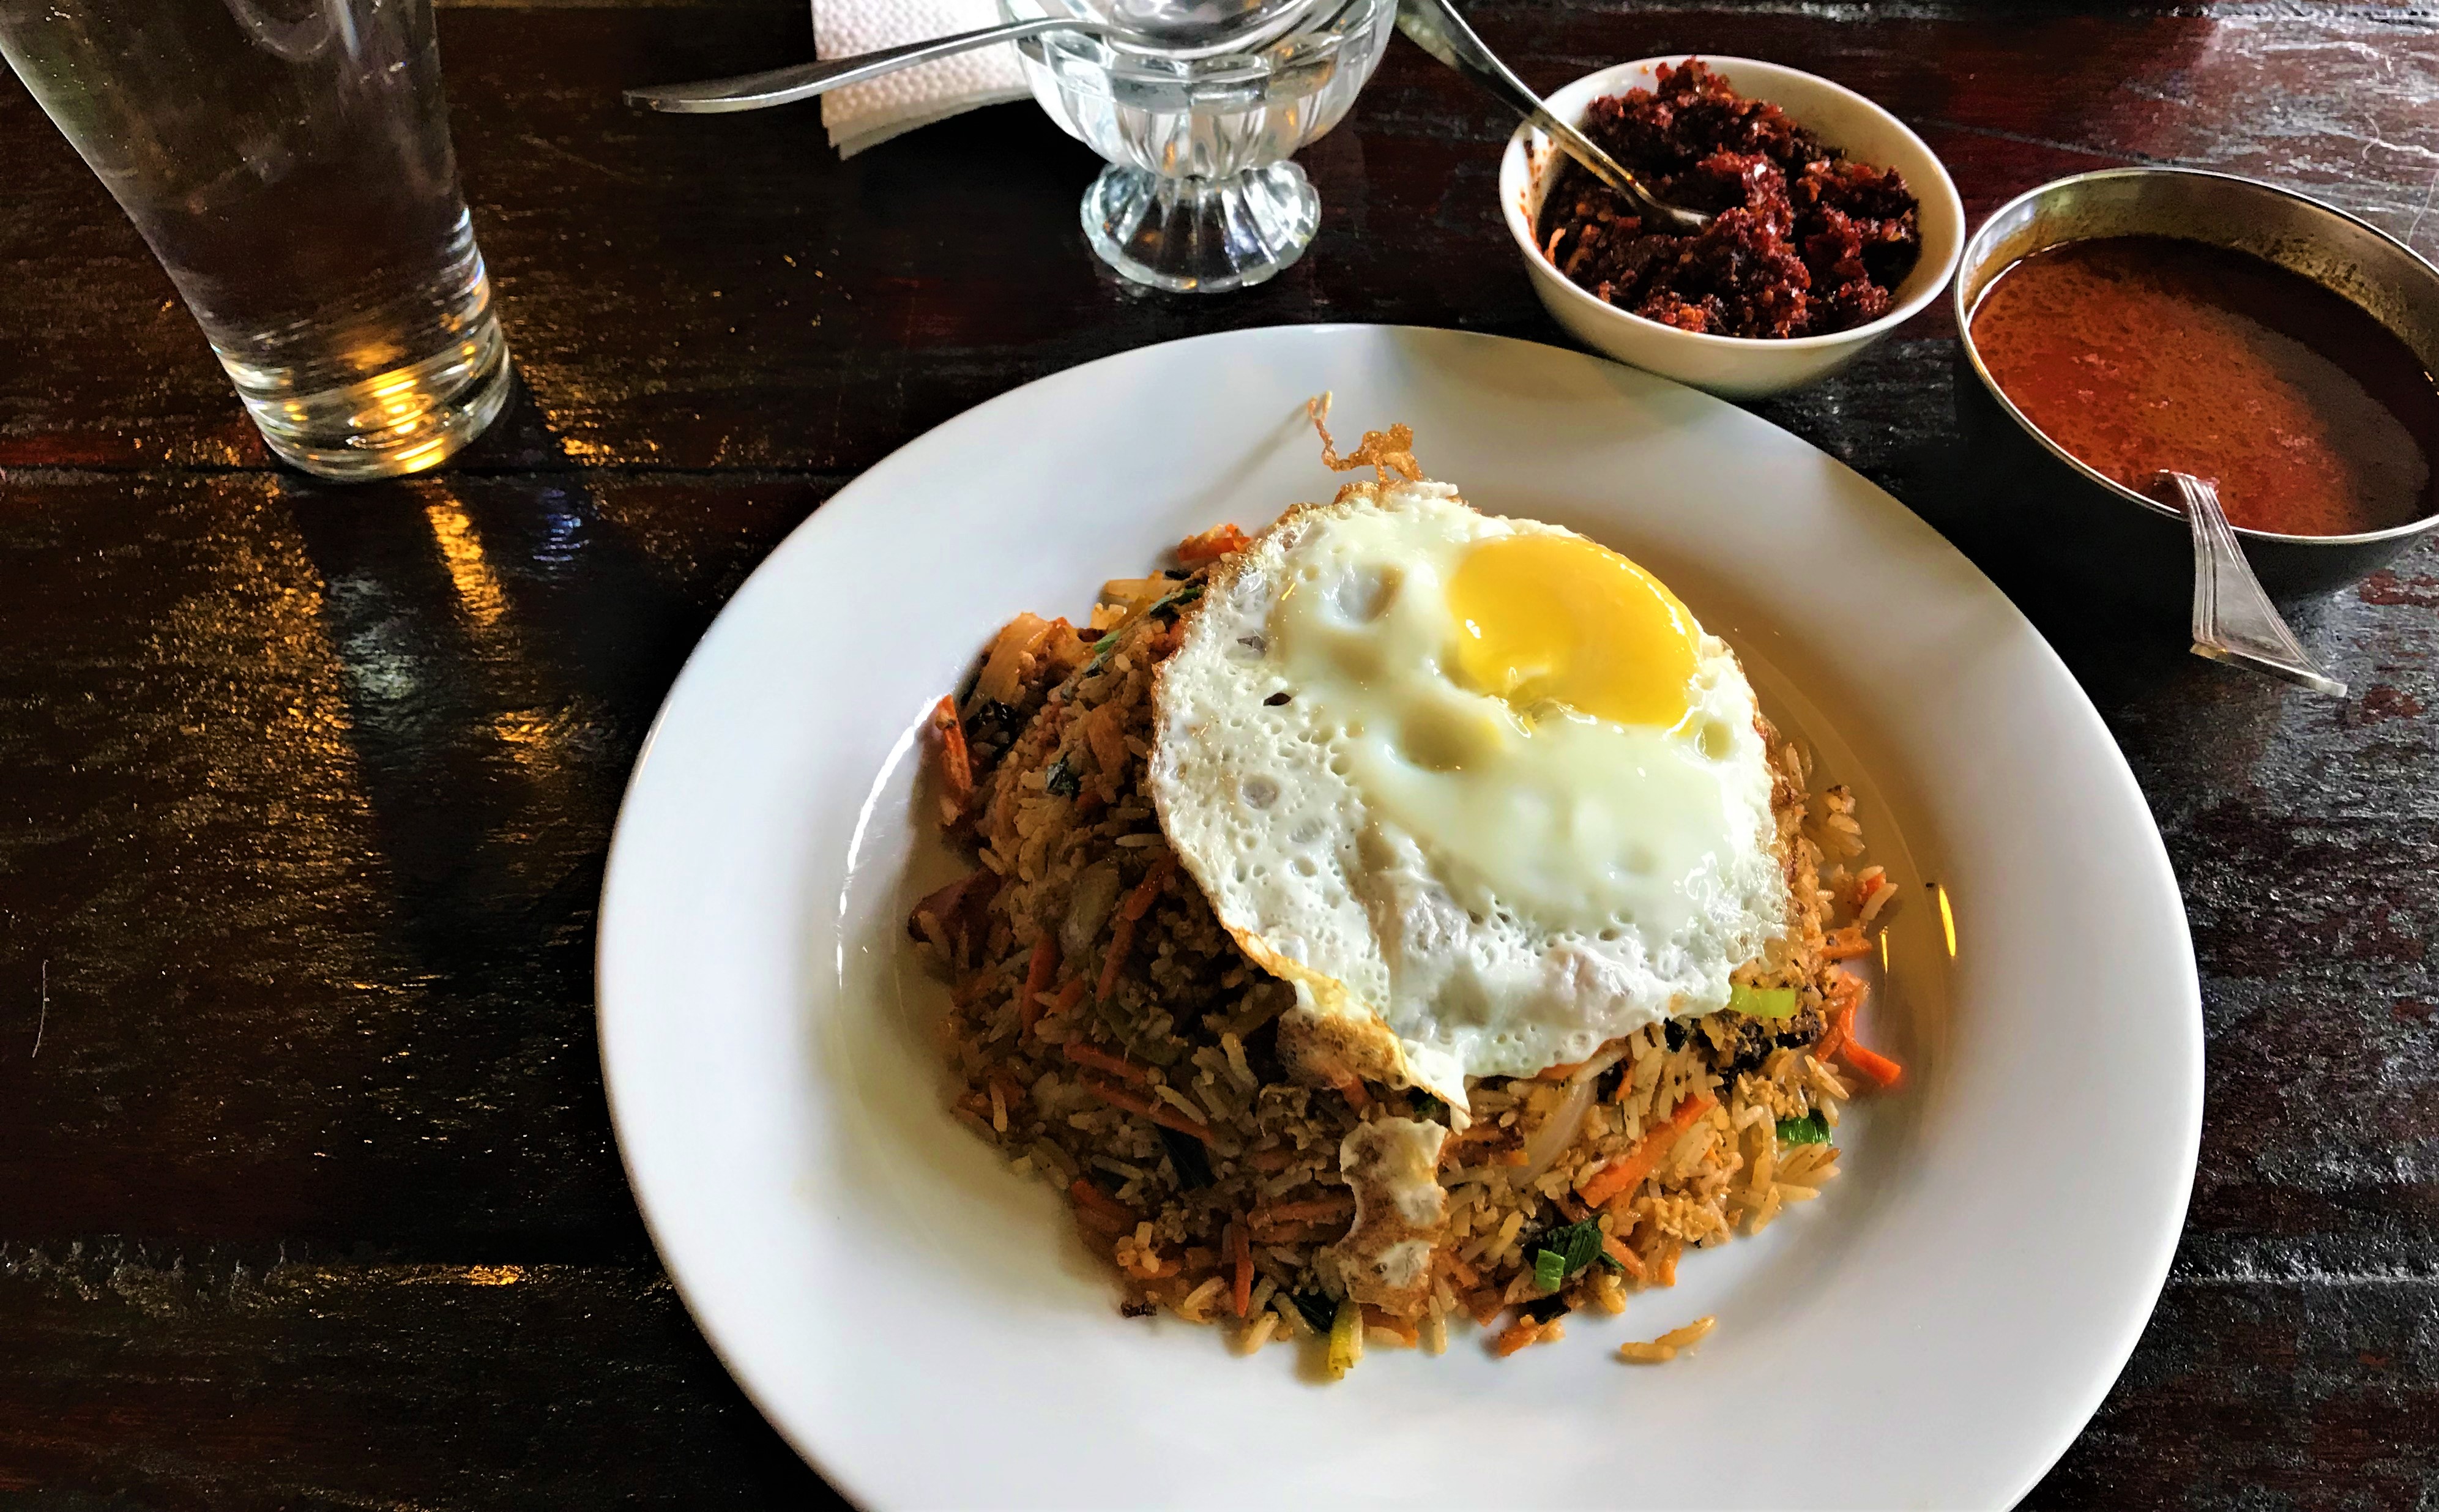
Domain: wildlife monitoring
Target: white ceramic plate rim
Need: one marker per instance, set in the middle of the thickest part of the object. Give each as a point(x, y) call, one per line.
point(1997, 1323)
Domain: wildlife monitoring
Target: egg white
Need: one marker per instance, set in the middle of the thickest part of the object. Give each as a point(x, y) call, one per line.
point(1498, 907)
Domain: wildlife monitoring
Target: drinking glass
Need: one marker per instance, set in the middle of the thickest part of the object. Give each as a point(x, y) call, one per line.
point(289, 162)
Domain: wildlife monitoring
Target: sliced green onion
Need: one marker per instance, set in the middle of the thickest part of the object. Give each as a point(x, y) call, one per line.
point(1549, 1270)
point(1169, 607)
point(1346, 1338)
point(1762, 1002)
point(1576, 1245)
point(1809, 1130)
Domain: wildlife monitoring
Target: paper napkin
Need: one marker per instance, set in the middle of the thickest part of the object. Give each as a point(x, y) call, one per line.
point(866, 114)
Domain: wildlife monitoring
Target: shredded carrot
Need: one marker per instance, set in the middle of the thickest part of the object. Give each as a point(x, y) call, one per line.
point(1089, 1197)
point(1211, 544)
point(1122, 939)
point(1240, 1255)
point(1375, 1318)
point(1616, 1249)
point(1069, 995)
point(1882, 1071)
point(1102, 1224)
point(1845, 996)
point(1105, 733)
point(1845, 944)
point(1341, 1205)
point(1160, 1113)
point(1351, 1087)
point(1522, 1331)
point(1038, 974)
point(1085, 1054)
point(1146, 892)
point(956, 765)
point(1274, 1160)
point(1625, 1172)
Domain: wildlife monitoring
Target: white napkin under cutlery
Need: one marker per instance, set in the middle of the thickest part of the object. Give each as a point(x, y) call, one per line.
point(866, 114)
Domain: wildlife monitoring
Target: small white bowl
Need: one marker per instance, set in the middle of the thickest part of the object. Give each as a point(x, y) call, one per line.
point(1737, 367)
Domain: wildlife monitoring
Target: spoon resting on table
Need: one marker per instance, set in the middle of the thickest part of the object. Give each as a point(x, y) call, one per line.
point(1173, 28)
point(2234, 620)
point(1437, 28)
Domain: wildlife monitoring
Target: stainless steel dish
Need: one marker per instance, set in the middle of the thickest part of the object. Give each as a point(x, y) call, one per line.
point(2107, 535)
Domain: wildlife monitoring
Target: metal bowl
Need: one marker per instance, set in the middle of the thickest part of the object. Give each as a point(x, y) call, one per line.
point(2106, 533)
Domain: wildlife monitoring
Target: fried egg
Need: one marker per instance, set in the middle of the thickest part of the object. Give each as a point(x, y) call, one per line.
point(1482, 782)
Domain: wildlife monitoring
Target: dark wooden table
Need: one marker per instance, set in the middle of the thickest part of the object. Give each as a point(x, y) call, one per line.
point(308, 1195)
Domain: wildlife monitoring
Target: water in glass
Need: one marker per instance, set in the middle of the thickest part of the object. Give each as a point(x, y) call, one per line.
point(289, 161)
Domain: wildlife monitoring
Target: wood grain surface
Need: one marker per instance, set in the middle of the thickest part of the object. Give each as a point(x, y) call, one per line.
point(308, 1194)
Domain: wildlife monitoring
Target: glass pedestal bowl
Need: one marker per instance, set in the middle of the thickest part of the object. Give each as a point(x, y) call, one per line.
point(1199, 196)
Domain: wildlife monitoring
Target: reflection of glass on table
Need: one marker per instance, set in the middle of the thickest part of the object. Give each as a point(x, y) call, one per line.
point(289, 162)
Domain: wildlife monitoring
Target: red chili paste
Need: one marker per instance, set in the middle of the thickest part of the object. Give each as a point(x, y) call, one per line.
point(2140, 353)
point(1804, 242)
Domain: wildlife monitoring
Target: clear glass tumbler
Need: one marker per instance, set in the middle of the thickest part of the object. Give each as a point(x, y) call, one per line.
point(289, 162)
point(1199, 196)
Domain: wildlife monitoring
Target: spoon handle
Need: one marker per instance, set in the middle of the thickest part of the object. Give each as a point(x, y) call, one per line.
point(2234, 620)
point(782, 86)
point(1435, 28)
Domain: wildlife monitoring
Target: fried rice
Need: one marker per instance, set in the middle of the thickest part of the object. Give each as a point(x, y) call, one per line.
point(1108, 1037)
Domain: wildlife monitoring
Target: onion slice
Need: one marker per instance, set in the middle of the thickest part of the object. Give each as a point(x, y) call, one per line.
point(1559, 1129)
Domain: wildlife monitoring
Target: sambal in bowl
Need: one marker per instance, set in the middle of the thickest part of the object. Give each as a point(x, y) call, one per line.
point(1832, 222)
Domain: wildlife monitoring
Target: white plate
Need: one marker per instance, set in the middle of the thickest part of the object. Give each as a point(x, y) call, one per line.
point(924, 1327)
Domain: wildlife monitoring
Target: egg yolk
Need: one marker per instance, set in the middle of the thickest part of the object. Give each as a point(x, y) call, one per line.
point(1562, 619)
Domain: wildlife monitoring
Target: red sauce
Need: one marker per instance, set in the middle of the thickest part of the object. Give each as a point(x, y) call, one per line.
point(2140, 353)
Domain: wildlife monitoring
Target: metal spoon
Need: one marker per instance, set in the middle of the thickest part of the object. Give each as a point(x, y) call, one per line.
point(1177, 29)
point(2233, 621)
point(1431, 26)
